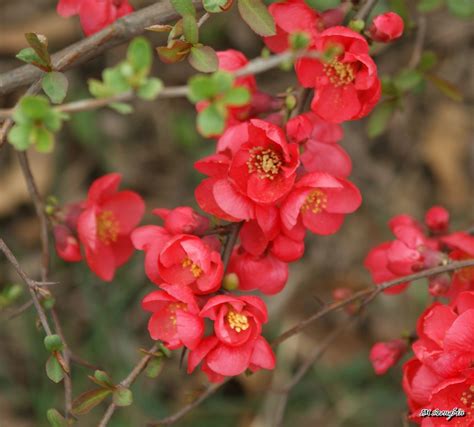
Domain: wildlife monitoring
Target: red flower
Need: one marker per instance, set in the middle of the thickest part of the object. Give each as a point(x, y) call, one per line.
point(236, 344)
point(264, 272)
point(105, 225)
point(67, 245)
point(384, 355)
point(175, 319)
point(94, 14)
point(437, 219)
point(292, 16)
point(182, 220)
point(386, 27)
point(347, 87)
point(253, 169)
point(309, 126)
point(320, 201)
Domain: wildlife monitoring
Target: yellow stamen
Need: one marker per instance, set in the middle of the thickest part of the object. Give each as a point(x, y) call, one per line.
point(265, 162)
point(107, 227)
point(237, 321)
point(340, 74)
point(194, 268)
point(316, 201)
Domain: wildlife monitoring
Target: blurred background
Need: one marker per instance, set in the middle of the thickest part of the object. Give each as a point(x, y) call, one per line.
point(425, 156)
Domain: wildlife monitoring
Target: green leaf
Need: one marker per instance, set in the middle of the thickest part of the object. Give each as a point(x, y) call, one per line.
point(256, 15)
point(150, 89)
point(407, 79)
point(388, 87)
point(98, 89)
point(55, 85)
point(54, 370)
point(175, 52)
point(200, 88)
point(237, 97)
point(121, 107)
point(379, 119)
point(122, 396)
point(53, 343)
point(139, 54)
point(39, 43)
point(102, 379)
point(19, 136)
point(299, 40)
point(89, 400)
point(34, 107)
point(427, 61)
point(461, 8)
point(115, 81)
point(216, 6)
point(222, 81)
point(190, 29)
point(55, 418)
point(429, 5)
point(204, 59)
point(210, 121)
point(43, 139)
point(154, 367)
point(29, 56)
point(53, 120)
point(446, 87)
point(184, 7)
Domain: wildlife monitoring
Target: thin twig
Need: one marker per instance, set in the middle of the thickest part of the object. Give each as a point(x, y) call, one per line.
point(419, 42)
point(19, 310)
point(128, 381)
point(365, 10)
point(230, 243)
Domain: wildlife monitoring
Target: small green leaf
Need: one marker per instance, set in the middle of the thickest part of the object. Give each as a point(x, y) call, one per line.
point(216, 6)
point(427, 61)
point(200, 88)
point(34, 107)
point(299, 40)
point(222, 81)
point(139, 54)
point(122, 396)
point(55, 85)
point(256, 15)
point(89, 400)
point(429, 5)
point(174, 52)
point(190, 29)
point(184, 7)
point(53, 343)
point(388, 88)
point(43, 139)
point(98, 89)
point(204, 59)
point(210, 121)
point(407, 79)
point(115, 80)
point(379, 119)
point(29, 56)
point(54, 370)
point(150, 89)
point(461, 8)
point(154, 367)
point(40, 45)
point(446, 87)
point(163, 350)
point(102, 379)
point(52, 120)
point(55, 418)
point(121, 107)
point(19, 136)
point(237, 97)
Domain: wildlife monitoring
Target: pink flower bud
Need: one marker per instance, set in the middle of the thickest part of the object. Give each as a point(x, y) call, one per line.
point(386, 27)
point(384, 355)
point(437, 219)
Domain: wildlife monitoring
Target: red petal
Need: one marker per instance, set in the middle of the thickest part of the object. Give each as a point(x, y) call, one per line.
point(104, 187)
point(128, 208)
point(323, 223)
point(262, 355)
point(230, 361)
point(190, 328)
point(67, 8)
point(200, 352)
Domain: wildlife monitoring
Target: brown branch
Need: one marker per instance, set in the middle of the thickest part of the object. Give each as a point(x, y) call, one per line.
point(128, 381)
point(365, 10)
point(19, 310)
point(119, 32)
point(419, 42)
point(230, 243)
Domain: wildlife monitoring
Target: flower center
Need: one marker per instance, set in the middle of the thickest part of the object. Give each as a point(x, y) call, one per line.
point(237, 321)
point(265, 162)
point(467, 397)
point(194, 268)
point(339, 74)
point(107, 227)
point(316, 201)
point(172, 310)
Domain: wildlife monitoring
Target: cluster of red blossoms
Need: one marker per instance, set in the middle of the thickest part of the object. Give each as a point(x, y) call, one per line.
point(440, 374)
point(273, 178)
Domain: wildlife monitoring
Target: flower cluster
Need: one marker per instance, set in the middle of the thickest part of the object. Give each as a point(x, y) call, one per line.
point(439, 375)
point(274, 175)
